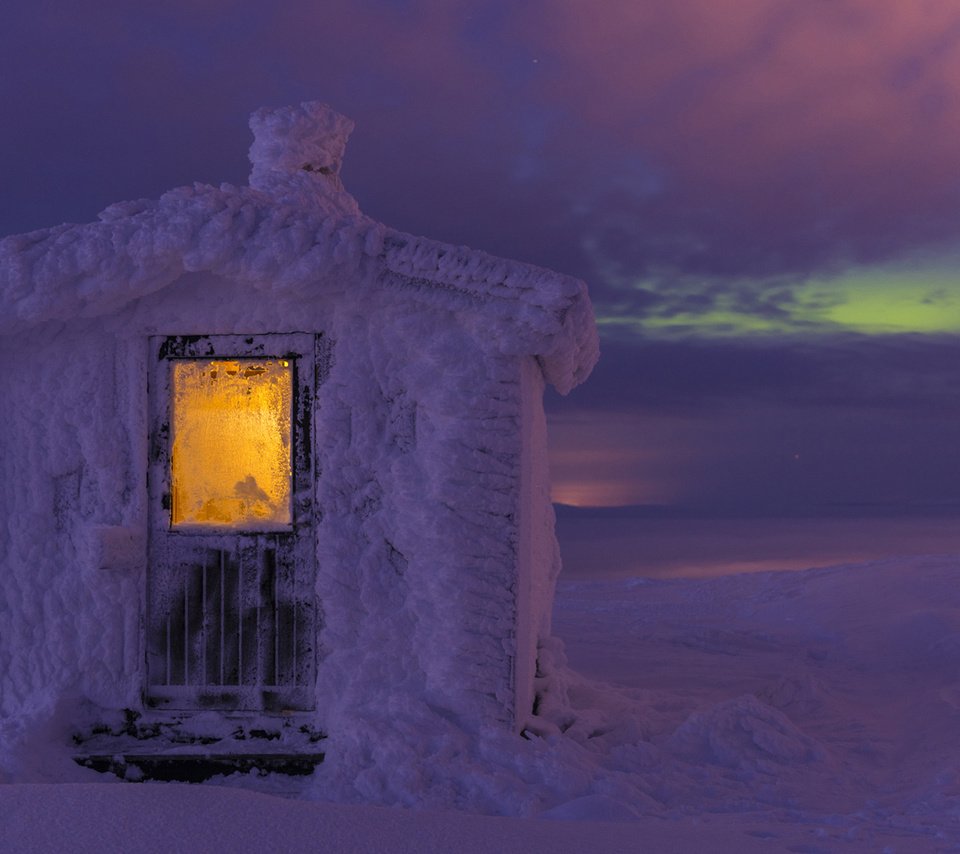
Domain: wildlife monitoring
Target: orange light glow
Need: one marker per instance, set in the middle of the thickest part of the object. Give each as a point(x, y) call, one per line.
point(231, 426)
point(597, 493)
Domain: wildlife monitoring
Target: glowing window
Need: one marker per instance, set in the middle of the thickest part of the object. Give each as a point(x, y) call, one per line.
point(231, 432)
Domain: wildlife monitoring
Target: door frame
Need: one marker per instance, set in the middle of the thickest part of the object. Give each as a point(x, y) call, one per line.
point(183, 553)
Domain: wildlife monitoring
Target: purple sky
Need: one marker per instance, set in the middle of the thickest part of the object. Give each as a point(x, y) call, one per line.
point(763, 195)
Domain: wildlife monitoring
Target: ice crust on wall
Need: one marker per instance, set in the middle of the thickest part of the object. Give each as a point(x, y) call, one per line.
point(419, 516)
point(418, 452)
point(67, 469)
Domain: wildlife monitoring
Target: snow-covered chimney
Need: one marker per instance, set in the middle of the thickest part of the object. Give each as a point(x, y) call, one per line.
point(297, 152)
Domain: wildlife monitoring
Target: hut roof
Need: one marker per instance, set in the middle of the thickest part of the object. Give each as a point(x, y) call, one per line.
point(293, 227)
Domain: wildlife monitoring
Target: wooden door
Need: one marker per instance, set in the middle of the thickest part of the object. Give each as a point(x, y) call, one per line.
point(231, 612)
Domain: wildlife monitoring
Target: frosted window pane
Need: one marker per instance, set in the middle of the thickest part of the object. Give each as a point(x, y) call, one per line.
point(231, 427)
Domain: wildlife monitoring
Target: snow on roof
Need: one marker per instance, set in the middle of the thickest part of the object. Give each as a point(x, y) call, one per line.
point(294, 227)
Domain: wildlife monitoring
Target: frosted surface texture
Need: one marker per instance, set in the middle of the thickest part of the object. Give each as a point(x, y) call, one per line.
point(231, 426)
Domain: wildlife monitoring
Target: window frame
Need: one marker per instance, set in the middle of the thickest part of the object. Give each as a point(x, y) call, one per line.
point(298, 348)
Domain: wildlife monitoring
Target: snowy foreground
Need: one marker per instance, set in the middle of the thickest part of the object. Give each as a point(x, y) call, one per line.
point(814, 711)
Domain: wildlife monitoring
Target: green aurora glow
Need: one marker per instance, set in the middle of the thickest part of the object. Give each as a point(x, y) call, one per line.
point(873, 301)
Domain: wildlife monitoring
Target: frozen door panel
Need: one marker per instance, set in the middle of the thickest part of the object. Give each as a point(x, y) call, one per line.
point(231, 601)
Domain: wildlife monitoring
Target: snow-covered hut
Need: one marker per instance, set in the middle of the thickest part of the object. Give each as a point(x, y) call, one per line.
point(261, 454)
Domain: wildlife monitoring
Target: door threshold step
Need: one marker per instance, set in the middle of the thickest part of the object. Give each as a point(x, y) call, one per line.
point(196, 747)
point(196, 766)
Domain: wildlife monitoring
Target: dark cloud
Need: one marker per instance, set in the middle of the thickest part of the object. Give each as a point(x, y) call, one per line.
point(842, 426)
point(758, 459)
point(724, 140)
point(908, 373)
point(781, 136)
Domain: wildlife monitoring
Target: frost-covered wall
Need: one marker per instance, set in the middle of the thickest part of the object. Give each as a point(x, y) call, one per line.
point(71, 450)
point(538, 564)
point(435, 554)
point(419, 489)
point(417, 456)
point(418, 471)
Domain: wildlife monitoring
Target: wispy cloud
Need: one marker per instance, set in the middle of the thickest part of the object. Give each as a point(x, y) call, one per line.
point(753, 190)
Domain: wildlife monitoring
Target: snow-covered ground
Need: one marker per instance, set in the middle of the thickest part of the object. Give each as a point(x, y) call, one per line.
point(808, 711)
point(826, 697)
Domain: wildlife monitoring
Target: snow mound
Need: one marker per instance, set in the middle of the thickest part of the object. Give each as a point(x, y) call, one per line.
point(746, 734)
point(928, 637)
point(310, 137)
point(796, 693)
point(593, 808)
